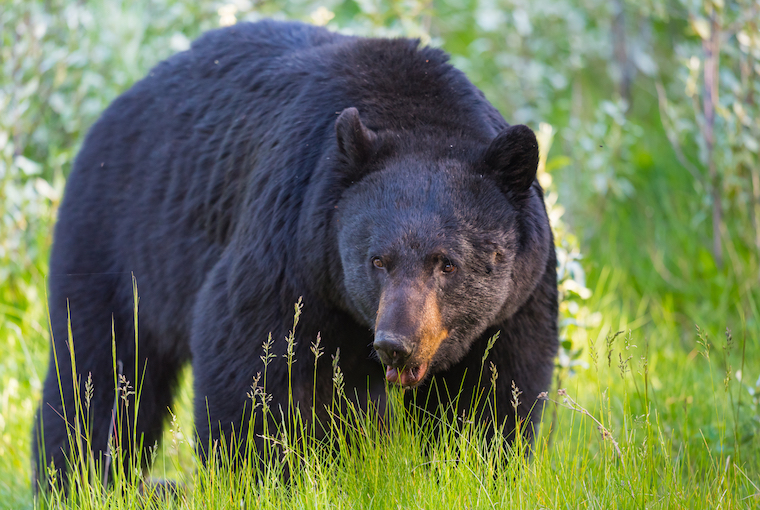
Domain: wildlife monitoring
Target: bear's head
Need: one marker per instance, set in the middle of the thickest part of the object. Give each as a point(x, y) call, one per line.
point(436, 246)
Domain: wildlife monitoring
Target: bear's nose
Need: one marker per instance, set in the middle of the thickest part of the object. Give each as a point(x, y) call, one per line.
point(392, 349)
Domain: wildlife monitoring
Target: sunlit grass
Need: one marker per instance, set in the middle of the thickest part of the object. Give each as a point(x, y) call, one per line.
point(683, 422)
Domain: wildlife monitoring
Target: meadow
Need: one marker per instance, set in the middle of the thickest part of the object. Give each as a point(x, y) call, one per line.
point(648, 119)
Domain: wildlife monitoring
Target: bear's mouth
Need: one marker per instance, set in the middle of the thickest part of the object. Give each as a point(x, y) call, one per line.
point(408, 377)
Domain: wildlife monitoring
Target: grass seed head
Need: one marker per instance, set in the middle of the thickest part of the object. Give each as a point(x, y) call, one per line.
point(515, 396)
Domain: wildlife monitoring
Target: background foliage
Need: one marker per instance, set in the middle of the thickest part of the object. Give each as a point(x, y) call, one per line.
point(648, 118)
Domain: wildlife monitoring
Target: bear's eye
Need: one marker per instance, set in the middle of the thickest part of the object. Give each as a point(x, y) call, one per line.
point(378, 262)
point(448, 267)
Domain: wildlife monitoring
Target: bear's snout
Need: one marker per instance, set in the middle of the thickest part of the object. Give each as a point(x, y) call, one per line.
point(408, 331)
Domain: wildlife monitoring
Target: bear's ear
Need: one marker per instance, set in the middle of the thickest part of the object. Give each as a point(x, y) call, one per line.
point(355, 141)
point(513, 158)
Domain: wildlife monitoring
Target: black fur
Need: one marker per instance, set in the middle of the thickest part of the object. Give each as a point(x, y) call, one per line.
point(272, 161)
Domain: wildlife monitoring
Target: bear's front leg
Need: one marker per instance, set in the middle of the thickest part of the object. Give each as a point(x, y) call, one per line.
point(238, 368)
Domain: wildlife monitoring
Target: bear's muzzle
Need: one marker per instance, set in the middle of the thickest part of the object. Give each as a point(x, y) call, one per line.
point(408, 331)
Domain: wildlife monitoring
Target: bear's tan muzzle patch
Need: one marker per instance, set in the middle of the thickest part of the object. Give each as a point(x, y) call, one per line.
point(411, 313)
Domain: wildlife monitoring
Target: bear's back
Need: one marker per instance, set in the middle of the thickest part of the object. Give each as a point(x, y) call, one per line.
point(236, 127)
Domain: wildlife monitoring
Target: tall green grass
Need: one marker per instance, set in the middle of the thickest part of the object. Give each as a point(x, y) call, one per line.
point(644, 426)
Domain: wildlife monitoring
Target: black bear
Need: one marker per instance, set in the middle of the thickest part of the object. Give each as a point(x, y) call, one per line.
point(273, 161)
